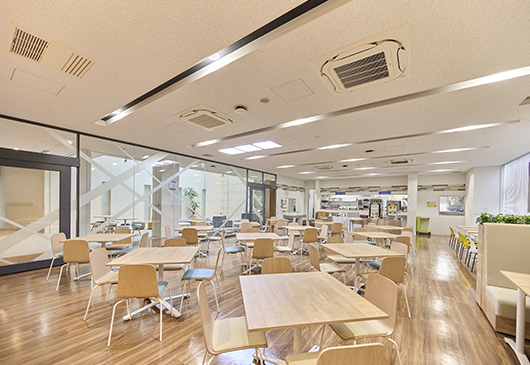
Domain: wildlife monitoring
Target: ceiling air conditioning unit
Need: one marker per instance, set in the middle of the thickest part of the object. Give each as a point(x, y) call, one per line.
point(206, 119)
point(370, 64)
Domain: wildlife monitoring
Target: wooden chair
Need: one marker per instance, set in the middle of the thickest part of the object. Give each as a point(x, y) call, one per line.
point(245, 226)
point(231, 250)
point(393, 268)
point(383, 293)
point(371, 353)
point(336, 228)
point(101, 274)
point(126, 243)
point(167, 229)
point(314, 259)
point(323, 236)
point(139, 281)
point(138, 227)
point(57, 240)
point(290, 244)
point(191, 235)
point(336, 258)
point(202, 275)
point(74, 252)
point(310, 236)
point(175, 242)
point(348, 237)
point(263, 249)
point(144, 240)
point(281, 223)
point(410, 255)
point(253, 230)
point(276, 265)
point(359, 229)
point(227, 334)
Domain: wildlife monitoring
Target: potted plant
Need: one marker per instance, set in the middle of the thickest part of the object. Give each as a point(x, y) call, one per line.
point(191, 194)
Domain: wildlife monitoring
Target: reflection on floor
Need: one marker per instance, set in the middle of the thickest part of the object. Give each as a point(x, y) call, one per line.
point(447, 327)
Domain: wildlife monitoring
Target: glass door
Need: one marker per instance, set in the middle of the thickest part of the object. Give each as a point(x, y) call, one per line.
point(262, 202)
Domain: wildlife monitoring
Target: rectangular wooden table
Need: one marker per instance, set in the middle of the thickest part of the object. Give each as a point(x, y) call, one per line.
point(103, 238)
point(302, 299)
point(471, 230)
point(522, 281)
point(374, 236)
point(251, 237)
point(156, 256)
point(390, 229)
point(358, 251)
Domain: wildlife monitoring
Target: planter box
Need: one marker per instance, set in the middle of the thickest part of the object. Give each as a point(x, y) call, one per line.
point(501, 247)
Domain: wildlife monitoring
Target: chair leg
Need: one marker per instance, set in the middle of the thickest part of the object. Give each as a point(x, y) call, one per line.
point(215, 295)
point(184, 285)
point(473, 265)
point(322, 338)
point(112, 320)
point(406, 299)
point(204, 357)
point(397, 349)
point(50, 269)
point(108, 294)
point(410, 284)
point(89, 300)
point(60, 274)
point(160, 304)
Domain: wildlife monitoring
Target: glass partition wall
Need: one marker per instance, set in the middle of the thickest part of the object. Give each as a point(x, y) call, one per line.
point(119, 184)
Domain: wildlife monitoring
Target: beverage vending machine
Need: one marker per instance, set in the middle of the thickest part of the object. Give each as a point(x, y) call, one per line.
point(375, 208)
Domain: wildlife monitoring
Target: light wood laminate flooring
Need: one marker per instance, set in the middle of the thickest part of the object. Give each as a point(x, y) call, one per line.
point(41, 326)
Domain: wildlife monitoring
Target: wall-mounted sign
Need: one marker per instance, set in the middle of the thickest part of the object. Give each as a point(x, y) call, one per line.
point(431, 204)
point(385, 192)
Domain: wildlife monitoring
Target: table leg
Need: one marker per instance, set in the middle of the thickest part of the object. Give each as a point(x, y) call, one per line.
point(518, 345)
point(161, 272)
point(297, 340)
point(176, 313)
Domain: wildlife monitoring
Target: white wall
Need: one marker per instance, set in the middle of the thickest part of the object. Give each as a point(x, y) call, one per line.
point(439, 224)
point(483, 192)
point(299, 196)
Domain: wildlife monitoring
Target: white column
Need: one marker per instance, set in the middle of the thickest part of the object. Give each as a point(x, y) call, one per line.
point(318, 196)
point(412, 185)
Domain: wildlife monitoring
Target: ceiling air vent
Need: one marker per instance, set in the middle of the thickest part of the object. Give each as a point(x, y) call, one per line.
point(400, 162)
point(526, 101)
point(77, 65)
point(324, 167)
point(206, 119)
point(373, 63)
point(27, 45)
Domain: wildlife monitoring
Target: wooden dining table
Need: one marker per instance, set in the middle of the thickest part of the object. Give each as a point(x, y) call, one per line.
point(159, 256)
point(104, 238)
point(298, 300)
point(375, 236)
point(390, 229)
point(522, 281)
point(358, 251)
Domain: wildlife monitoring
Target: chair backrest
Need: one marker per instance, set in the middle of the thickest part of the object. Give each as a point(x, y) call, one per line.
point(201, 223)
point(336, 228)
point(359, 229)
point(293, 224)
point(393, 268)
point(144, 240)
point(167, 228)
point(370, 353)
point(348, 237)
point(408, 229)
point(276, 265)
point(137, 281)
point(314, 257)
point(335, 239)
point(281, 222)
point(383, 293)
point(408, 234)
point(57, 245)
point(244, 220)
point(452, 231)
point(263, 248)
point(406, 240)
point(190, 235)
point(98, 259)
point(290, 241)
point(324, 231)
point(245, 226)
point(76, 251)
point(206, 317)
point(123, 230)
point(369, 228)
point(399, 247)
point(253, 230)
point(460, 237)
point(175, 242)
point(310, 235)
point(465, 242)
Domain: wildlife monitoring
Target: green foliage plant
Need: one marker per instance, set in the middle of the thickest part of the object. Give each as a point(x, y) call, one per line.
point(191, 194)
point(503, 218)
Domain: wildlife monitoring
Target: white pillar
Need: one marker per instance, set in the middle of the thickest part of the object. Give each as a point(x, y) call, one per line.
point(412, 208)
point(318, 197)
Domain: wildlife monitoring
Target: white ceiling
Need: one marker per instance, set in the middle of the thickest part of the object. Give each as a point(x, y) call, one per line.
point(138, 45)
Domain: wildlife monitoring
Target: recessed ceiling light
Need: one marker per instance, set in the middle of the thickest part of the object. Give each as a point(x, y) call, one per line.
point(195, 166)
point(284, 166)
point(162, 170)
point(321, 177)
point(306, 172)
point(228, 172)
point(16, 148)
point(365, 168)
point(372, 174)
point(71, 142)
point(254, 157)
point(266, 145)
point(444, 162)
point(248, 148)
point(146, 156)
point(334, 146)
point(114, 164)
point(231, 151)
point(353, 159)
point(456, 150)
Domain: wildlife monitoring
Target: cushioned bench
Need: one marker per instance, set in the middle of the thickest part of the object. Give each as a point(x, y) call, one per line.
point(505, 301)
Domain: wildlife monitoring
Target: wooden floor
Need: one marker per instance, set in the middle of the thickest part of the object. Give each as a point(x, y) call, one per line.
point(41, 326)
